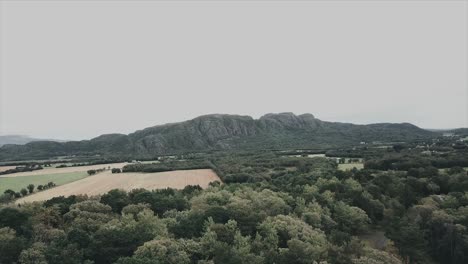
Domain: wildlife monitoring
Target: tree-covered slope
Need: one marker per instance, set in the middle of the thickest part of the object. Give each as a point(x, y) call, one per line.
point(214, 132)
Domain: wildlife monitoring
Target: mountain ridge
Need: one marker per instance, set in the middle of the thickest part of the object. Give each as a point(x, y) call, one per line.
point(222, 132)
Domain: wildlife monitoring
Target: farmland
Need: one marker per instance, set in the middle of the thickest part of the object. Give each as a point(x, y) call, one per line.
point(311, 205)
point(59, 176)
point(17, 183)
point(65, 170)
point(106, 181)
point(5, 168)
point(350, 166)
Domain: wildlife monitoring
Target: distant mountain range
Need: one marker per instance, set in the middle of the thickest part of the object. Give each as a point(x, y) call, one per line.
point(20, 139)
point(222, 132)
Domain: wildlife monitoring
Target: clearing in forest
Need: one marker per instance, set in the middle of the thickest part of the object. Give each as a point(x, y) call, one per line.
point(350, 166)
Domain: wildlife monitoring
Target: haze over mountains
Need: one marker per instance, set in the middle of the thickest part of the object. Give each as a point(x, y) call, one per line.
point(221, 132)
point(20, 139)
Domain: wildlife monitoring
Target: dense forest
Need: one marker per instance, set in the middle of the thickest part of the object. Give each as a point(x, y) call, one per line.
point(270, 208)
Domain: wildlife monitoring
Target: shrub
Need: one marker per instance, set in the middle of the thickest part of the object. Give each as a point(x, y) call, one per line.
point(30, 188)
point(24, 192)
point(5, 198)
point(116, 170)
point(91, 172)
point(9, 192)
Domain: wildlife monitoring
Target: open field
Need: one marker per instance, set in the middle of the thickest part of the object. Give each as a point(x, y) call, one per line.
point(347, 159)
point(350, 166)
point(65, 170)
point(149, 161)
point(59, 176)
point(5, 168)
point(17, 183)
point(446, 170)
point(103, 182)
point(306, 156)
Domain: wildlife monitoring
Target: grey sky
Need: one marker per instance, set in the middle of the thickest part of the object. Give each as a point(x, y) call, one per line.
point(74, 70)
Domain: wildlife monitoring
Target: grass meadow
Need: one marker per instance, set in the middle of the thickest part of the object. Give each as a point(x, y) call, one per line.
point(17, 183)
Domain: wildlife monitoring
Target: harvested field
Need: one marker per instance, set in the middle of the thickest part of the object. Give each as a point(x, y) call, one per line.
point(103, 182)
point(64, 170)
point(350, 166)
point(5, 168)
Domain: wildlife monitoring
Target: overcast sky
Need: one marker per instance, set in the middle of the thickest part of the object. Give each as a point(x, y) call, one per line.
point(75, 70)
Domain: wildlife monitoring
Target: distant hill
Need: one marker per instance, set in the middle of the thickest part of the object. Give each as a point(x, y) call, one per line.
point(222, 132)
point(16, 139)
point(460, 131)
point(456, 131)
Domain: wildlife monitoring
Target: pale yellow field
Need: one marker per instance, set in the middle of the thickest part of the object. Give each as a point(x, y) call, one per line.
point(5, 168)
point(103, 182)
point(350, 166)
point(64, 170)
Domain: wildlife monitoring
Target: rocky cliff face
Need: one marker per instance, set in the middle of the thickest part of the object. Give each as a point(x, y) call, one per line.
point(204, 132)
point(288, 121)
point(209, 132)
